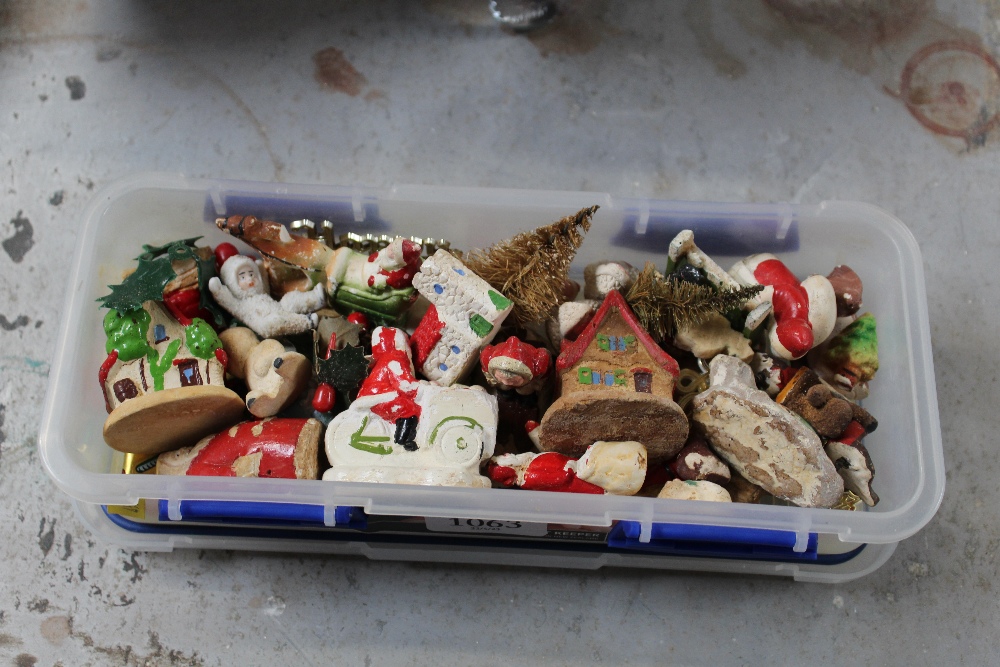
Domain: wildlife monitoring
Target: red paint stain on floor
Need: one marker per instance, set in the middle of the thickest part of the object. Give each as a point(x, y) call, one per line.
point(953, 89)
point(336, 73)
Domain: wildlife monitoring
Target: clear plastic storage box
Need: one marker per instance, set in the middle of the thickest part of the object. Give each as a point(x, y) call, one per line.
point(489, 525)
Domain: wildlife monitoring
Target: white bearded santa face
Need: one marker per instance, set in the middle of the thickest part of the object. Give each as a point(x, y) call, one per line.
point(243, 277)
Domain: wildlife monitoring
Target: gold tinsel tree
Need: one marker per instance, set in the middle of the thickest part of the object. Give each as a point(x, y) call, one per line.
point(662, 305)
point(531, 269)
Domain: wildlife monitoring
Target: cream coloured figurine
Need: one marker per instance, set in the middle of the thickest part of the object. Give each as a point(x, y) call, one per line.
point(275, 374)
point(242, 291)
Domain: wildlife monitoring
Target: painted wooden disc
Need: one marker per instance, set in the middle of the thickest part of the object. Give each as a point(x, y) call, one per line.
point(172, 418)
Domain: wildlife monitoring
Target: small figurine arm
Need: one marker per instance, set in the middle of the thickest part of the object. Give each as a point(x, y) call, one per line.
point(304, 302)
point(222, 294)
point(260, 312)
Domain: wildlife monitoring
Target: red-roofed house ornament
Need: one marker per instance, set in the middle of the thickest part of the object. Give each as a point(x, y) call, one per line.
point(615, 384)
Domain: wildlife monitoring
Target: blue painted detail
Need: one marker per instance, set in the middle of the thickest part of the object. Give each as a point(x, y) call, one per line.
point(609, 379)
point(455, 349)
point(459, 272)
point(595, 377)
point(443, 367)
point(438, 289)
point(159, 333)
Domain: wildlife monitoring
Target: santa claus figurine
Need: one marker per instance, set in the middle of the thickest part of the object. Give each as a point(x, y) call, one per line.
point(617, 468)
point(515, 371)
point(392, 375)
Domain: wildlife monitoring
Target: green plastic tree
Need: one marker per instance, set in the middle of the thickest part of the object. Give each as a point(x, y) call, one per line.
point(201, 339)
point(662, 305)
point(531, 269)
point(126, 332)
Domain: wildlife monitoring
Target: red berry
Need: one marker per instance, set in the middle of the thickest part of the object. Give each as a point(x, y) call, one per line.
point(359, 318)
point(324, 398)
point(224, 251)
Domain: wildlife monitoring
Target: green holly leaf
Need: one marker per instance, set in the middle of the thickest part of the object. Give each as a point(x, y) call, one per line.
point(175, 249)
point(146, 283)
point(344, 370)
point(184, 249)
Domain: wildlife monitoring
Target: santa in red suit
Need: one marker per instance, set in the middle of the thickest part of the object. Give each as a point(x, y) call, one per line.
point(392, 373)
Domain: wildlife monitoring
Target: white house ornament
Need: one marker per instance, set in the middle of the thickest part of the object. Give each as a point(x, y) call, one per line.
point(464, 316)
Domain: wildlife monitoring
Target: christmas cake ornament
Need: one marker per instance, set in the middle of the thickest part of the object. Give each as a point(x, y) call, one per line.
point(766, 443)
point(285, 448)
point(532, 268)
point(741, 490)
point(464, 316)
point(768, 372)
point(571, 318)
point(276, 375)
point(548, 471)
point(685, 260)
point(344, 330)
point(804, 314)
point(824, 409)
point(377, 284)
point(602, 277)
point(713, 335)
point(243, 292)
point(854, 463)
point(176, 274)
point(683, 251)
point(515, 371)
point(696, 461)
point(405, 431)
point(163, 383)
point(849, 360)
point(339, 370)
point(694, 489)
point(848, 289)
point(615, 384)
point(689, 312)
point(617, 468)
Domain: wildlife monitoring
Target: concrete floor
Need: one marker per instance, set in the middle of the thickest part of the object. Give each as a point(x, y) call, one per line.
point(736, 100)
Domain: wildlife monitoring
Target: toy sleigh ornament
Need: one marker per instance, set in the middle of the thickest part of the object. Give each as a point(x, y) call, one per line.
point(407, 431)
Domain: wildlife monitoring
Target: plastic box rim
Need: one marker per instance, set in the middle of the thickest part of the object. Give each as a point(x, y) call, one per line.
point(874, 527)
